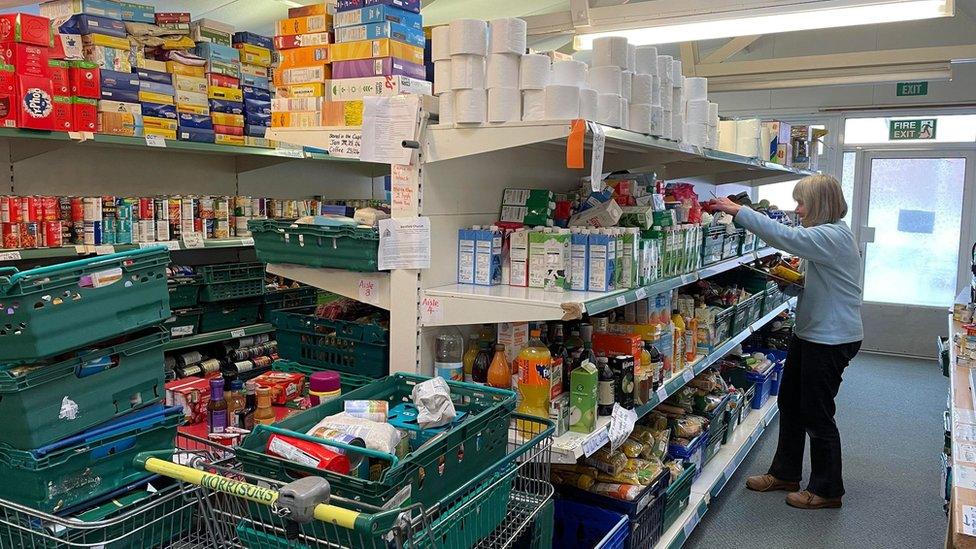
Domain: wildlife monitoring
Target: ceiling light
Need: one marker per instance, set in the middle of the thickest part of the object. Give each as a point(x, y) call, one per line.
point(724, 26)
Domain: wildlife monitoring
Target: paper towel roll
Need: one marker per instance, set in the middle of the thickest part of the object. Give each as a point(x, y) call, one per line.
point(534, 72)
point(666, 120)
point(608, 109)
point(646, 60)
point(677, 100)
point(641, 89)
point(562, 102)
point(676, 75)
point(507, 35)
point(664, 67)
point(626, 84)
point(469, 37)
point(640, 117)
point(726, 136)
point(656, 91)
point(504, 104)
point(610, 51)
point(442, 76)
point(697, 112)
point(440, 43)
point(696, 134)
point(588, 103)
point(667, 93)
point(747, 147)
point(467, 73)
point(445, 107)
point(712, 141)
point(696, 88)
point(677, 126)
point(606, 79)
point(631, 57)
point(657, 119)
point(624, 113)
point(712, 114)
point(502, 70)
point(533, 104)
point(470, 106)
point(569, 73)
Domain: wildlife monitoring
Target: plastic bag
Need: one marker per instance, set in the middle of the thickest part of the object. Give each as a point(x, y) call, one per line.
point(607, 462)
point(625, 492)
point(433, 401)
point(631, 448)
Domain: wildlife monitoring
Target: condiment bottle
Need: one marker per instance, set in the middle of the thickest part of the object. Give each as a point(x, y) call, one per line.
point(264, 414)
point(217, 407)
point(324, 386)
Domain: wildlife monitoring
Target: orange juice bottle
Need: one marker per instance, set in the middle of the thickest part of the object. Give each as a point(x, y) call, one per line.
point(679, 341)
point(500, 373)
point(534, 363)
point(691, 340)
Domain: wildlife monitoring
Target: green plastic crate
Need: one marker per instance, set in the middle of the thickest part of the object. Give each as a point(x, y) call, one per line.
point(746, 312)
point(441, 466)
point(184, 292)
point(347, 382)
point(748, 243)
point(289, 298)
point(349, 248)
point(50, 310)
point(348, 347)
point(184, 322)
point(75, 474)
point(35, 404)
point(224, 315)
point(232, 281)
point(713, 240)
point(676, 497)
point(732, 244)
point(714, 443)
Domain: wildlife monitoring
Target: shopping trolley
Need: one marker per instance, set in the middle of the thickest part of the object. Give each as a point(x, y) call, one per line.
point(247, 511)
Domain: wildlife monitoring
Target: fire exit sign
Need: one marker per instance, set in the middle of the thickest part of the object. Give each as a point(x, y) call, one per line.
point(908, 89)
point(920, 128)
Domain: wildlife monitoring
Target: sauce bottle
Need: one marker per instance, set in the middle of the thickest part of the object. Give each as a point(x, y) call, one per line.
point(217, 407)
point(264, 414)
point(605, 387)
point(500, 373)
point(482, 360)
point(469, 355)
point(245, 416)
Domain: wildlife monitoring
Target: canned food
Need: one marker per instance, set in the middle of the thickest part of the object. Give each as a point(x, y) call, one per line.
point(11, 235)
point(206, 207)
point(53, 236)
point(30, 209)
point(50, 208)
point(29, 235)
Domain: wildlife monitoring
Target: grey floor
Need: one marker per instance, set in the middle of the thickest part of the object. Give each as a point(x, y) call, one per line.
point(889, 411)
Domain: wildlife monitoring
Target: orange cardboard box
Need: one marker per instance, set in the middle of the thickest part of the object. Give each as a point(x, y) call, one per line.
point(302, 57)
point(304, 25)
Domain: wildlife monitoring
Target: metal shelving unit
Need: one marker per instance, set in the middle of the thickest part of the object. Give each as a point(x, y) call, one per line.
point(218, 336)
point(68, 252)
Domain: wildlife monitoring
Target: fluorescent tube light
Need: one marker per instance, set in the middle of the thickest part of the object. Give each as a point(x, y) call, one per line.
point(719, 27)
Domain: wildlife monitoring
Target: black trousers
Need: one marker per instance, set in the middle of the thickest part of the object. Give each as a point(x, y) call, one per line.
point(811, 378)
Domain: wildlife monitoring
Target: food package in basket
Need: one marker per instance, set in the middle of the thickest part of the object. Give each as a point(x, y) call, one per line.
point(381, 437)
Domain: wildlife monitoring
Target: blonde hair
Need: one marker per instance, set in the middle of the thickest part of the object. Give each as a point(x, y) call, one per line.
point(823, 198)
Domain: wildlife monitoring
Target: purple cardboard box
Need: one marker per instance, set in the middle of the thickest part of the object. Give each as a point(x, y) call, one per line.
point(409, 5)
point(383, 66)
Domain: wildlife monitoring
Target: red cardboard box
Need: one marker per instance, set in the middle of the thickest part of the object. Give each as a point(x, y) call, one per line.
point(84, 79)
point(35, 107)
point(8, 112)
point(172, 17)
point(192, 394)
point(62, 114)
point(67, 46)
point(26, 58)
point(8, 80)
point(59, 77)
point(228, 130)
point(26, 28)
point(84, 114)
point(222, 80)
point(284, 385)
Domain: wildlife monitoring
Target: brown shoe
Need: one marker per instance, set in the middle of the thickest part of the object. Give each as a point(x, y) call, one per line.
point(769, 483)
point(807, 500)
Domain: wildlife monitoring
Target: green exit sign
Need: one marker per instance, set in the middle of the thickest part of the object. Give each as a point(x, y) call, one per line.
point(920, 128)
point(908, 89)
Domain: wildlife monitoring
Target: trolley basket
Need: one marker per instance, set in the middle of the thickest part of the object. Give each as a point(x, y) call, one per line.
point(348, 248)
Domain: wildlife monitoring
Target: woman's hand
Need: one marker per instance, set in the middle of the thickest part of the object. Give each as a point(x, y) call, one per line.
point(722, 204)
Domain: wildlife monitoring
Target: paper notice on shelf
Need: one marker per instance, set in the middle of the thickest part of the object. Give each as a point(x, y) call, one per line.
point(404, 243)
point(964, 451)
point(192, 240)
point(9, 256)
point(596, 156)
point(155, 141)
point(239, 332)
point(369, 291)
point(597, 439)
point(964, 477)
point(969, 520)
point(622, 423)
point(181, 331)
point(104, 249)
point(345, 143)
point(387, 123)
point(431, 311)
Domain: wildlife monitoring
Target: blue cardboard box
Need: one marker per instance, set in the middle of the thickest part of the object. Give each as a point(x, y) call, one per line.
point(245, 37)
point(376, 31)
point(153, 76)
point(126, 96)
point(121, 81)
point(93, 24)
point(138, 13)
point(195, 121)
point(252, 81)
point(256, 105)
point(195, 134)
point(218, 52)
point(156, 87)
point(101, 8)
point(252, 130)
point(225, 106)
point(260, 94)
point(408, 5)
point(378, 14)
point(159, 110)
point(257, 118)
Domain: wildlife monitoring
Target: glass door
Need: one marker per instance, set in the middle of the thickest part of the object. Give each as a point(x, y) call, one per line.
point(914, 244)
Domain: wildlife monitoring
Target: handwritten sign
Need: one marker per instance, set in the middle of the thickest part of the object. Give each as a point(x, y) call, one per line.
point(368, 291)
point(969, 520)
point(596, 156)
point(345, 144)
point(431, 311)
point(597, 439)
point(401, 189)
point(622, 421)
point(192, 240)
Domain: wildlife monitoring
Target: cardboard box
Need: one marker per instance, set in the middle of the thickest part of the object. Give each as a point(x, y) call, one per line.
point(309, 119)
point(559, 410)
point(93, 24)
point(117, 123)
point(160, 123)
point(384, 66)
point(35, 108)
point(192, 394)
point(159, 110)
point(310, 89)
point(197, 135)
point(161, 77)
point(314, 9)
point(176, 28)
point(298, 104)
point(409, 5)
point(84, 114)
point(192, 84)
point(358, 88)
point(27, 59)
point(255, 82)
point(8, 80)
point(256, 106)
point(514, 336)
point(62, 9)
point(193, 109)
point(303, 25)
point(185, 98)
point(127, 96)
point(222, 81)
point(302, 75)
point(254, 131)
point(223, 105)
point(257, 94)
point(196, 121)
point(228, 69)
point(175, 67)
point(245, 37)
point(85, 79)
point(371, 49)
point(151, 64)
point(303, 57)
point(217, 52)
point(259, 142)
point(165, 134)
point(343, 113)
point(119, 106)
point(465, 256)
point(379, 14)
point(138, 13)
point(207, 30)
point(66, 46)
point(108, 58)
point(122, 81)
point(26, 28)
point(549, 259)
point(259, 118)
point(229, 94)
point(302, 40)
point(386, 29)
point(605, 215)
point(225, 139)
point(152, 97)
point(518, 258)
point(105, 41)
point(8, 110)
point(254, 70)
point(583, 382)
point(226, 119)
point(58, 71)
point(228, 130)
point(172, 17)
point(63, 121)
point(254, 55)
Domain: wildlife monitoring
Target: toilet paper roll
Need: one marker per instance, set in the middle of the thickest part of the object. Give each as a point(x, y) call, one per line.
point(747, 129)
point(656, 91)
point(502, 70)
point(677, 127)
point(677, 100)
point(562, 102)
point(608, 109)
point(569, 73)
point(467, 73)
point(469, 37)
point(504, 104)
point(696, 112)
point(640, 117)
point(646, 60)
point(533, 104)
point(667, 93)
point(726, 136)
point(606, 79)
point(632, 57)
point(626, 84)
point(657, 119)
point(588, 103)
point(696, 134)
point(696, 88)
point(507, 35)
point(641, 89)
point(445, 107)
point(624, 113)
point(534, 72)
point(664, 67)
point(442, 76)
point(676, 75)
point(747, 147)
point(712, 141)
point(713, 114)
point(470, 106)
point(666, 120)
point(440, 43)
point(610, 51)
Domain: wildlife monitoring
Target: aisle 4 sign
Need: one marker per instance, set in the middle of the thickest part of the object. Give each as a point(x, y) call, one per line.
point(920, 128)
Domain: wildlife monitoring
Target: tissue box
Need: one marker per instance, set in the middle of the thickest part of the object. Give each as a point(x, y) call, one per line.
point(198, 135)
point(152, 97)
point(191, 84)
point(257, 94)
point(63, 121)
point(228, 69)
point(85, 78)
point(191, 99)
point(159, 110)
point(126, 96)
point(378, 14)
point(301, 75)
point(26, 28)
point(93, 24)
point(301, 40)
point(228, 130)
point(165, 134)
point(193, 109)
point(170, 17)
point(108, 58)
point(254, 131)
point(26, 59)
point(226, 119)
point(302, 57)
point(310, 89)
point(358, 88)
point(119, 106)
point(297, 104)
point(151, 64)
point(208, 30)
point(106, 41)
point(66, 46)
point(386, 29)
point(138, 13)
point(303, 25)
point(84, 114)
point(255, 81)
point(66, 8)
point(259, 142)
point(222, 105)
point(254, 70)
point(254, 55)
point(221, 81)
point(160, 123)
point(175, 28)
point(117, 123)
point(195, 121)
point(245, 37)
point(409, 5)
point(121, 81)
point(256, 106)
point(217, 52)
point(386, 66)
point(175, 67)
point(153, 76)
point(229, 94)
point(371, 49)
point(58, 71)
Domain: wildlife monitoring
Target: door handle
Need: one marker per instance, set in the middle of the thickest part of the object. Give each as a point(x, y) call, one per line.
point(867, 235)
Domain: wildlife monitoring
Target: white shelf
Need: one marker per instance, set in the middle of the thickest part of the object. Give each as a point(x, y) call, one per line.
point(349, 284)
point(568, 447)
point(716, 474)
point(470, 304)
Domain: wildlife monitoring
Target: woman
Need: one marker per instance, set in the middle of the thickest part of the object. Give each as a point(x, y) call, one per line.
point(827, 335)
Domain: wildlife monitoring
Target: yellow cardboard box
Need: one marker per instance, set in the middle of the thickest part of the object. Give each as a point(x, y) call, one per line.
point(372, 49)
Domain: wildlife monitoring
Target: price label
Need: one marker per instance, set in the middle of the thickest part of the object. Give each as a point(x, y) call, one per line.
point(641, 293)
point(240, 332)
point(662, 394)
point(247, 241)
point(182, 331)
point(81, 249)
point(621, 301)
point(598, 439)
point(156, 141)
point(368, 291)
point(104, 249)
point(291, 153)
point(192, 240)
point(9, 256)
point(431, 311)
point(688, 148)
point(688, 375)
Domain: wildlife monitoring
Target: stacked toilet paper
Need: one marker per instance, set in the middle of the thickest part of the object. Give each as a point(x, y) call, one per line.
point(748, 134)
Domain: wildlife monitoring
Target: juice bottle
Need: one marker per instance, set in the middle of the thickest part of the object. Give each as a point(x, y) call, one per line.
point(560, 354)
point(469, 355)
point(679, 341)
point(500, 373)
point(482, 361)
point(691, 340)
point(534, 363)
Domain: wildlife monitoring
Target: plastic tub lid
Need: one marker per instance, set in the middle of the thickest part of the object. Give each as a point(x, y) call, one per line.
point(324, 382)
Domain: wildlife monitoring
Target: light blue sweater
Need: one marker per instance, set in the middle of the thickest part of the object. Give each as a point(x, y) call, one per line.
point(828, 308)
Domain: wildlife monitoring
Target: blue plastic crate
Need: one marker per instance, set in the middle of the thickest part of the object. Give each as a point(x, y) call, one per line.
point(581, 525)
point(763, 384)
point(645, 512)
point(693, 453)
